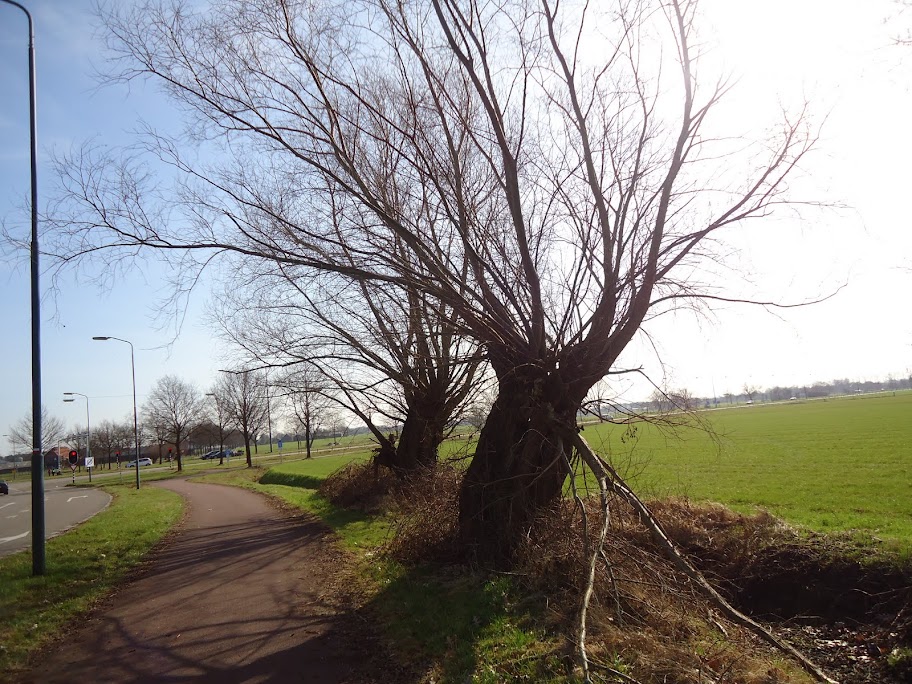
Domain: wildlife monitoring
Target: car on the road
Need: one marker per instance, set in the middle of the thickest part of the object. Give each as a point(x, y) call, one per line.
point(142, 462)
point(4, 488)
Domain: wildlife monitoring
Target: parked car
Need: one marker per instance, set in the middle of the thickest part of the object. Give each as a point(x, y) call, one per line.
point(142, 462)
point(4, 488)
point(208, 455)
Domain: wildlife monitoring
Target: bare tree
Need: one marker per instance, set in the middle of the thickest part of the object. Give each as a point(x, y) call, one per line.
point(112, 437)
point(390, 354)
point(552, 195)
point(243, 396)
point(750, 391)
point(309, 401)
point(667, 400)
point(221, 419)
point(52, 431)
point(176, 405)
point(159, 435)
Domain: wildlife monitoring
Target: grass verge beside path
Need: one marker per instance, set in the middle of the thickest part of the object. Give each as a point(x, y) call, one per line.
point(83, 566)
point(297, 483)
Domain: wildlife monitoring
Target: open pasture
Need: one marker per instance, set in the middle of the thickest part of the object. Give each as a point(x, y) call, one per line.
point(842, 464)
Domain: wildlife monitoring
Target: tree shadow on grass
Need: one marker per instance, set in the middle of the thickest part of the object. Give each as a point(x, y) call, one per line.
point(461, 625)
point(272, 477)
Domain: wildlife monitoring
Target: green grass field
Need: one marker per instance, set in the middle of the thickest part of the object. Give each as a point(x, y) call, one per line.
point(836, 465)
point(830, 465)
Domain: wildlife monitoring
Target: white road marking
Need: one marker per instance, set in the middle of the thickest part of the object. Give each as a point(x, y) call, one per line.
point(10, 517)
point(9, 504)
point(3, 540)
point(84, 496)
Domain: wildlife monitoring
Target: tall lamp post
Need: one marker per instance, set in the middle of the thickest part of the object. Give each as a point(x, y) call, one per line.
point(135, 418)
point(38, 557)
point(88, 452)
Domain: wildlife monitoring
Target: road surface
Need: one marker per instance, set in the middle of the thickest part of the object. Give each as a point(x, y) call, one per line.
point(63, 507)
point(243, 593)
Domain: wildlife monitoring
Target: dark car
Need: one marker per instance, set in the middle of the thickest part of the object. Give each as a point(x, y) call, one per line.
point(4, 488)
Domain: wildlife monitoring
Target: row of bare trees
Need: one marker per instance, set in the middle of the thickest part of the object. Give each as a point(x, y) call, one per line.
point(412, 196)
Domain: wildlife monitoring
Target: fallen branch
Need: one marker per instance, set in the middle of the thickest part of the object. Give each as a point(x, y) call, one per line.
point(605, 473)
point(590, 579)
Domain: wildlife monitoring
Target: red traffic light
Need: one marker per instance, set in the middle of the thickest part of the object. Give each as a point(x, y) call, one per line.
point(74, 457)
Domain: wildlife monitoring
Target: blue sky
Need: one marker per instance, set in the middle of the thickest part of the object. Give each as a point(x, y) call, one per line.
point(838, 54)
point(71, 108)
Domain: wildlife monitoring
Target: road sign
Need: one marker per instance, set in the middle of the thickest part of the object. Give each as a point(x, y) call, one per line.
point(89, 461)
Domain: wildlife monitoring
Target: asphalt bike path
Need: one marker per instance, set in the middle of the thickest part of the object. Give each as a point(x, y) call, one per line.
point(242, 593)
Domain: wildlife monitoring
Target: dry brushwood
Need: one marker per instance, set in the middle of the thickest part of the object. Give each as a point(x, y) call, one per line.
point(608, 478)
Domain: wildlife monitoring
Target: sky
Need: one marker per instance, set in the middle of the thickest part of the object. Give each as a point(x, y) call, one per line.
point(838, 55)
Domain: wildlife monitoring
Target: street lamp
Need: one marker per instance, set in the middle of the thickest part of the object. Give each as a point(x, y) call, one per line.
point(88, 452)
point(38, 557)
point(135, 419)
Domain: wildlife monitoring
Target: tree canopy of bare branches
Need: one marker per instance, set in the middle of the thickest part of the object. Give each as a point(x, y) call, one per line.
point(544, 173)
point(176, 406)
point(243, 398)
point(389, 357)
point(52, 431)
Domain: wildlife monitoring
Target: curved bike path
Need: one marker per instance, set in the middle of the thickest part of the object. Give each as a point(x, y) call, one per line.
point(242, 593)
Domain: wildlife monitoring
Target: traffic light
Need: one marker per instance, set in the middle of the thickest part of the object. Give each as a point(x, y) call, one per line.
point(74, 457)
point(117, 454)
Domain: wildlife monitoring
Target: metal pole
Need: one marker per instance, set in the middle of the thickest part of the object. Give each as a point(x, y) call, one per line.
point(135, 417)
point(88, 452)
point(135, 414)
point(268, 408)
point(38, 530)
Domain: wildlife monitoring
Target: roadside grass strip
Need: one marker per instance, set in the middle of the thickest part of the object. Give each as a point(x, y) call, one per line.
point(83, 566)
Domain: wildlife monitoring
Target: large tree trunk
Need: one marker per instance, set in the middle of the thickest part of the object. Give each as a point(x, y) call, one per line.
point(421, 434)
point(519, 467)
point(247, 449)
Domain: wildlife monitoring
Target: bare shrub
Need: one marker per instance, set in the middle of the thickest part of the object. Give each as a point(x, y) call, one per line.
point(427, 517)
point(643, 607)
point(424, 506)
point(360, 486)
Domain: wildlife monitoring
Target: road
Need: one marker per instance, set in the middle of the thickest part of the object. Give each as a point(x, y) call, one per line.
point(63, 507)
